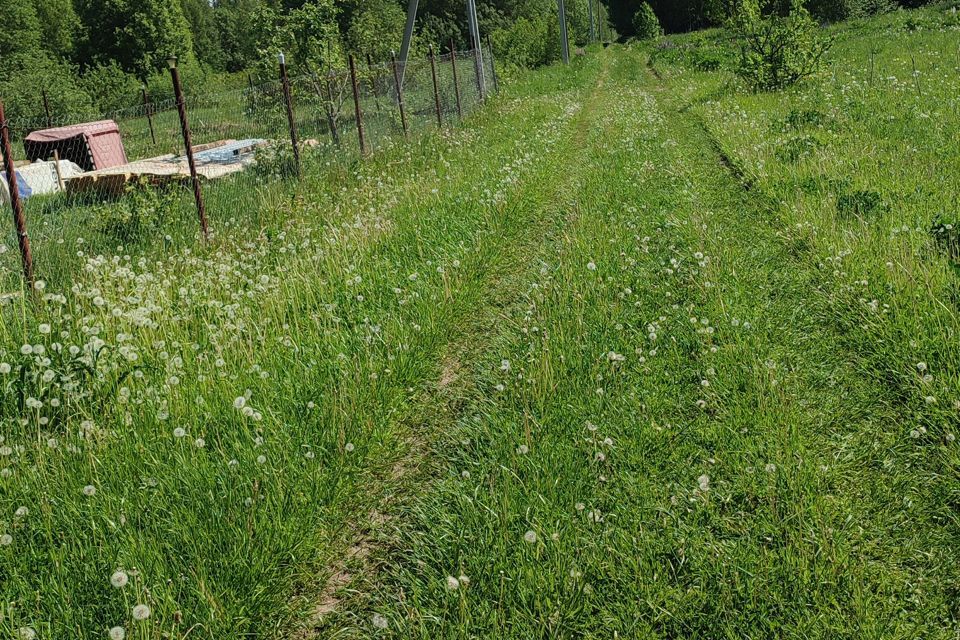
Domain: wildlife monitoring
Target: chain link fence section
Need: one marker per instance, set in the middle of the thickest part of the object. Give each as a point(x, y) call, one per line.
point(125, 183)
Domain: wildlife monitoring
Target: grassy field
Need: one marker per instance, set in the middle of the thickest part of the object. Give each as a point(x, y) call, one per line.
point(631, 354)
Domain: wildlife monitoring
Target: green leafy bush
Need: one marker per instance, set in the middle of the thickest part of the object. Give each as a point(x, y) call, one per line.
point(646, 25)
point(946, 234)
point(777, 51)
point(142, 209)
point(860, 204)
point(526, 43)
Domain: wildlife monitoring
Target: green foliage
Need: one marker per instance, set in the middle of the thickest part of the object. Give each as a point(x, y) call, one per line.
point(139, 35)
point(646, 26)
point(59, 25)
point(526, 43)
point(308, 35)
point(377, 29)
point(21, 32)
point(140, 211)
point(30, 75)
point(110, 87)
point(946, 234)
point(777, 51)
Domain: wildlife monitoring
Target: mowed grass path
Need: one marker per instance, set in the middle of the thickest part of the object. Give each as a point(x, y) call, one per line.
point(672, 436)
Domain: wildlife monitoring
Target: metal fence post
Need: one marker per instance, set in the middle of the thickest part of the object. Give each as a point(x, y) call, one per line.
point(396, 79)
point(493, 67)
point(331, 113)
point(456, 82)
point(188, 145)
point(46, 108)
point(15, 203)
point(356, 106)
point(149, 111)
point(291, 119)
point(436, 88)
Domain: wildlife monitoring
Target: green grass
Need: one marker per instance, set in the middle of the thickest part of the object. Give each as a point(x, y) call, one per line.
point(617, 351)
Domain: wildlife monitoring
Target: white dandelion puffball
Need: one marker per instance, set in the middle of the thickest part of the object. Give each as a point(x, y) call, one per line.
point(179, 432)
point(89, 490)
point(6, 540)
point(141, 612)
point(4, 368)
point(119, 579)
point(26, 633)
point(530, 536)
point(770, 468)
point(379, 621)
point(704, 482)
point(464, 581)
point(349, 447)
point(240, 402)
point(452, 583)
point(117, 633)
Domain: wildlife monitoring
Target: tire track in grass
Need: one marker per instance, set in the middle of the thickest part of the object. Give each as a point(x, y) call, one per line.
point(839, 426)
point(761, 512)
point(524, 223)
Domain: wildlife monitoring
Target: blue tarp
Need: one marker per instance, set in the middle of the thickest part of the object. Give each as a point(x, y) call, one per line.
point(22, 186)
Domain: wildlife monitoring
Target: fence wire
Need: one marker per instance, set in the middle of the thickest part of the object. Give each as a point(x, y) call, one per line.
point(124, 181)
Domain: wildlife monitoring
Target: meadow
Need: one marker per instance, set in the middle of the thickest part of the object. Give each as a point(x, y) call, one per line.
point(632, 352)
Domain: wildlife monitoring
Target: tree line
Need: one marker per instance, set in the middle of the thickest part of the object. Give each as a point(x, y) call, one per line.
point(93, 56)
point(688, 15)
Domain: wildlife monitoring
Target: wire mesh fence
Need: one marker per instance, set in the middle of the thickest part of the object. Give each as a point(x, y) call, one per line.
point(153, 176)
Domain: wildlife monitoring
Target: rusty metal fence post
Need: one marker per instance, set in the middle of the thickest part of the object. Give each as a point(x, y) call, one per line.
point(148, 108)
point(291, 119)
point(356, 105)
point(456, 81)
point(188, 145)
point(19, 220)
point(396, 80)
point(436, 87)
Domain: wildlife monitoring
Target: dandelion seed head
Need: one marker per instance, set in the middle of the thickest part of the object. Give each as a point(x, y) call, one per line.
point(119, 579)
point(89, 490)
point(379, 621)
point(704, 482)
point(530, 536)
point(452, 583)
point(117, 633)
point(141, 612)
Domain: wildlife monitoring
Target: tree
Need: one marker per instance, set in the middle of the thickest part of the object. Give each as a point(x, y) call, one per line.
point(377, 29)
point(22, 32)
point(240, 24)
point(309, 35)
point(59, 25)
point(646, 26)
point(777, 51)
point(138, 34)
point(203, 27)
